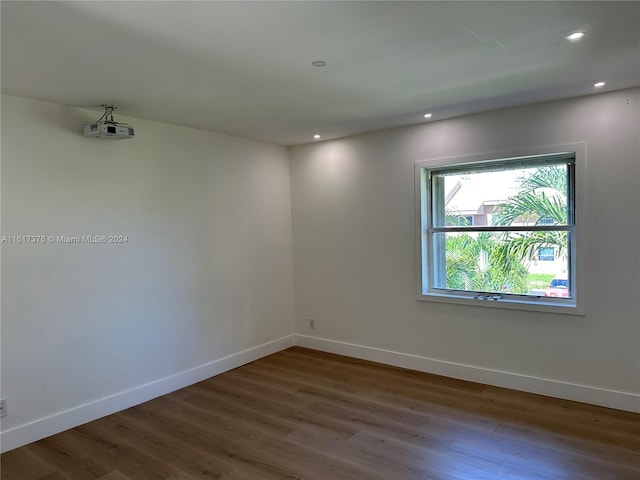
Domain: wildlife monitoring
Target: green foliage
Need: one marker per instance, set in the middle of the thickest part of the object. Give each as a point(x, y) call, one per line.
point(542, 196)
point(481, 264)
point(533, 205)
point(554, 177)
point(451, 217)
point(494, 262)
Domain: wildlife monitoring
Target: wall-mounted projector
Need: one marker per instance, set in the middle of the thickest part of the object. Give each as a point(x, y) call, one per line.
point(107, 127)
point(108, 130)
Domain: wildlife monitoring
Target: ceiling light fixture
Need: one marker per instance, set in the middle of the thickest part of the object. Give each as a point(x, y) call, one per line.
point(599, 84)
point(575, 36)
point(427, 115)
point(316, 136)
point(318, 63)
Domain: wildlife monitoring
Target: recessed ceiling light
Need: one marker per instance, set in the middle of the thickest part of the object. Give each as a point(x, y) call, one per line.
point(427, 115)
point(318, 63)
point(599, 84)
point(575, 36)
point(316, 136)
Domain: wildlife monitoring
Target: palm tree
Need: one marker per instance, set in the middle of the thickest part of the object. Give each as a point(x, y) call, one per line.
point(481, 263)
point(541, 200)
point(496, 262)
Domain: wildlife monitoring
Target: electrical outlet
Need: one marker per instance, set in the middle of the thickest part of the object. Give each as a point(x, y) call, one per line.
point(3, 407)
point(312, 323)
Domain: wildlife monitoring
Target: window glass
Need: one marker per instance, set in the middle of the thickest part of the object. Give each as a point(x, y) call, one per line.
point(503, 228)
point(546, 254)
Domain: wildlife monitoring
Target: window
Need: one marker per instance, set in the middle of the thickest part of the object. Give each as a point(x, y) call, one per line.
point(546, 254)
point(528, 237)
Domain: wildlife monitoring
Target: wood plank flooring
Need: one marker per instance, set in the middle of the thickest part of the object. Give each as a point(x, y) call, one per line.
point(303, 414)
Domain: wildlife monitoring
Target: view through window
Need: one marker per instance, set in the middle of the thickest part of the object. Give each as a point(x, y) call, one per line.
point(503, 228)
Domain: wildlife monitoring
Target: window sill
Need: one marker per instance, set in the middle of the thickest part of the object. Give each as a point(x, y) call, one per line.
point(532, 304)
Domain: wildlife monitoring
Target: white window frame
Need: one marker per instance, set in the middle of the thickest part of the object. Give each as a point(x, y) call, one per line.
point(577, 248)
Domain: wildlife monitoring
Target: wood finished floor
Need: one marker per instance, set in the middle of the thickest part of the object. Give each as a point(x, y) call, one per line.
point(303, 414)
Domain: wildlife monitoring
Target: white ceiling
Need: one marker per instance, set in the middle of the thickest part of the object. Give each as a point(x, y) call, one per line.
point(244, 68)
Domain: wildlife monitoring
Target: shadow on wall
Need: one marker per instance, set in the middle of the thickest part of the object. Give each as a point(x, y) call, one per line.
point(67, 118)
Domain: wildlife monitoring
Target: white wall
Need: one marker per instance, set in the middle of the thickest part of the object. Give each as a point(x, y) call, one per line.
point(204, 282)
point(355, 258)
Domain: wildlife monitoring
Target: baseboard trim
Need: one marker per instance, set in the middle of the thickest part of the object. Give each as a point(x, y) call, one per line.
point(542, 386)
point(38, 429)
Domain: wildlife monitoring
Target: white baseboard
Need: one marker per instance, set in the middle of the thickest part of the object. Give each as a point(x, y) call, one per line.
point(58, 422)
point(542, 386)
point(44, 427)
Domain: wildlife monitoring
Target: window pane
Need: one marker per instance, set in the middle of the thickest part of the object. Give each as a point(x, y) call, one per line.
point(501, 262)
point(546, 254)
point(517, 197)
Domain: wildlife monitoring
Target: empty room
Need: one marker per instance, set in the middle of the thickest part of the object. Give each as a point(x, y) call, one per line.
point(320, 240)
